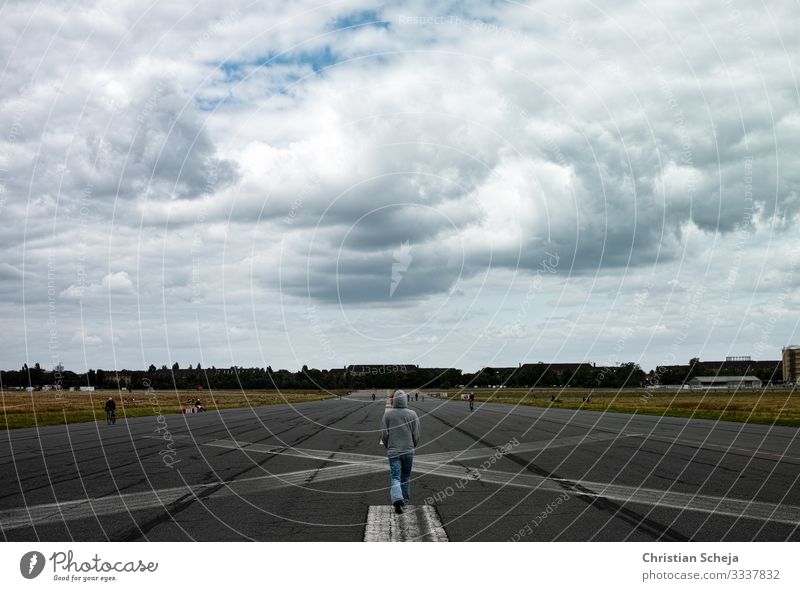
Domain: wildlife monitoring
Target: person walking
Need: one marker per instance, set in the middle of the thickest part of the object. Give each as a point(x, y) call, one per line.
point(111, 411)
point(400, 434)
point(471, 401)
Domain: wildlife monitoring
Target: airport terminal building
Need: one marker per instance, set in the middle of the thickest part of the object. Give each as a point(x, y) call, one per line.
point(725, 382)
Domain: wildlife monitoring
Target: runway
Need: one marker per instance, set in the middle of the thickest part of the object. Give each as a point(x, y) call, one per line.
point(316, 472)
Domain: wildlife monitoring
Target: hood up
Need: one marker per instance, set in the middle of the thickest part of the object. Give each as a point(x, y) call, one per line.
point(400, 399)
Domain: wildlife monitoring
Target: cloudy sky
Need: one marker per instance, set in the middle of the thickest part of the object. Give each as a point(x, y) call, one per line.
point(448, 184)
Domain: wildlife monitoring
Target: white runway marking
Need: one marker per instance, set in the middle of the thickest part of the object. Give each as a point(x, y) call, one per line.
point(162, 498)
point(781, 457)
point(299, 452)
point(418, 523)
point(730, 507)
point(545, 445)
point(441, 457)
point(437, 464)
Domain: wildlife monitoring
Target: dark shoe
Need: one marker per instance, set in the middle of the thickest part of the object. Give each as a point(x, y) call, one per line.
point(398, 507)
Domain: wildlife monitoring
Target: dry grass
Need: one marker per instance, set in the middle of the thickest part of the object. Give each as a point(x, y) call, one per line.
point(780, 407)
point(30, 409)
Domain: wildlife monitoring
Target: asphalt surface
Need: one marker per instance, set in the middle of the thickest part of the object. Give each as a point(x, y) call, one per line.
point(311, 472)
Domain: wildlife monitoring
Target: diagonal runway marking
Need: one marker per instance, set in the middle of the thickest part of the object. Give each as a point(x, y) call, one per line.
point(442, 457)
point(436, 465)
point(298, 452)
point(163, 498)
point(781, 457)
point(426, 464)
point(739, 508)
point(544, 445)
point(354, 465)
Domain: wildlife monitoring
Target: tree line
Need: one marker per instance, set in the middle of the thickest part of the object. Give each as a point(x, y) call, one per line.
point(530, 375)
point(161, 378)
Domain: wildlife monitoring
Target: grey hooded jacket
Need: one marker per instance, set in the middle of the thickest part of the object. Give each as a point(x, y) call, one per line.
point(400, 427)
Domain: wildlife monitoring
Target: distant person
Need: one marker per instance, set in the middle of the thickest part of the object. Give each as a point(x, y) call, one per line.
point(111, 411)
point(471, 401)
point(416, 396)
point(198, 405)
point(373, 396)
point(400, 434)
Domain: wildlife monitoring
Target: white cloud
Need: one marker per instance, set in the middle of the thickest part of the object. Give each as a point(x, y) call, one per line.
point(81, 339)
point(240, 163)
point(118, 282)
point(113, 284)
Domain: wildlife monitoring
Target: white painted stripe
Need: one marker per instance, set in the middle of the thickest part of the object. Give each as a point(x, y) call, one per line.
point(427, 464)
point(435, 465)
point(443, 457)
point(433, 525)
point(545, 445)
point(724, 448)
point(730, 507)
point(299, 452)
point(84, 508)
point(483, 452)
point(162, 498)
point(418, 523)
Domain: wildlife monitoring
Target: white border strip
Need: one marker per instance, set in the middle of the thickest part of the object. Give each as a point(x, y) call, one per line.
point(418, 523)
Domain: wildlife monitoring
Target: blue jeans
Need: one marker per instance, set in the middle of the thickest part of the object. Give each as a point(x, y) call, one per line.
point(400, 468)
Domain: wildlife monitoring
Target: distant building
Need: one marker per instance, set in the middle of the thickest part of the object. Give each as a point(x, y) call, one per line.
point(556, 367)
point(725, 382)
point(363, 370)
point(769, 371)
point(791, 363)
point(742, 365)
point(560, 367)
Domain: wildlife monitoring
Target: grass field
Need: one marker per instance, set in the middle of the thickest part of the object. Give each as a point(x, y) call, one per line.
point(779, 407)
point(29, 409)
